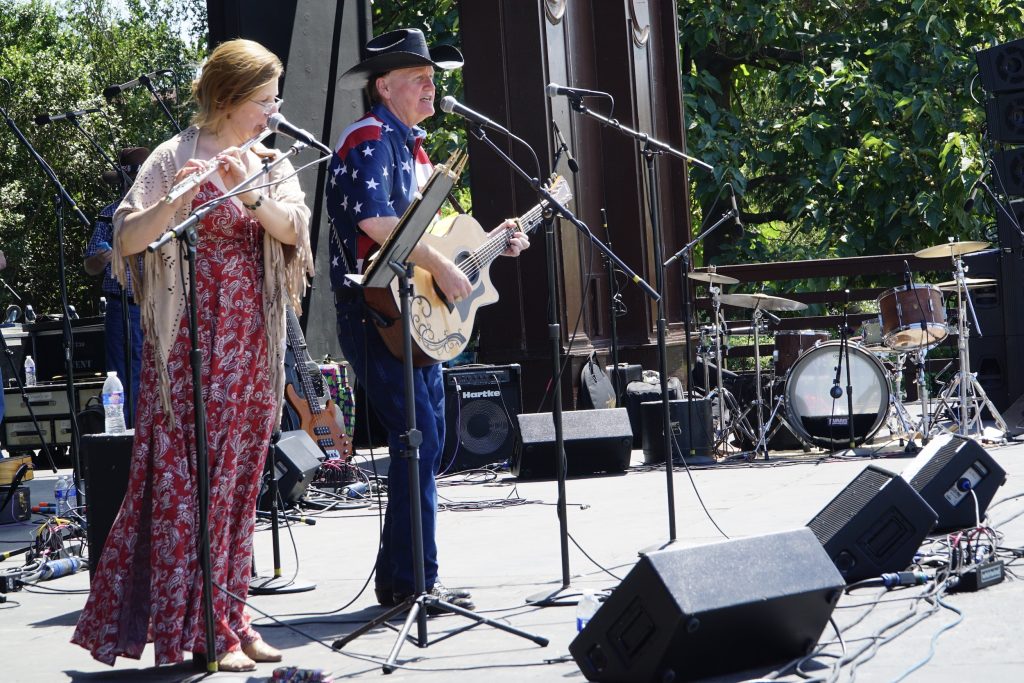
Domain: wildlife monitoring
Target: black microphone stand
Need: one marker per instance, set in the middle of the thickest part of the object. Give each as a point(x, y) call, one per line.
point(553, 208)
point(651, 148)
point(844, 357)
point(685, 255)
point(148, 82)
point(61, 199)
point(613, 312)
point(126, 333)
point(187, 238)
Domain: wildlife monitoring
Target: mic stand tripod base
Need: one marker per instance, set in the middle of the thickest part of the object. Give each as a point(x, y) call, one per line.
point(278, 585)
point(426, 603)
point(563, 595)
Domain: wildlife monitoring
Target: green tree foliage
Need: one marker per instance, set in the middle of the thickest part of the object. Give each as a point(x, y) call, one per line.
point(849, 127)
point(58, 56)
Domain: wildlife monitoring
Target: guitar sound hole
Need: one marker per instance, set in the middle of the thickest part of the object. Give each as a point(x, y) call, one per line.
point(471, 269)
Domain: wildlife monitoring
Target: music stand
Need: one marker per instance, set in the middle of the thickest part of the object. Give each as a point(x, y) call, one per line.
point(391, 263)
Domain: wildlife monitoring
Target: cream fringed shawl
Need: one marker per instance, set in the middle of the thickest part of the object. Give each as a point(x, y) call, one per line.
point(161, 291)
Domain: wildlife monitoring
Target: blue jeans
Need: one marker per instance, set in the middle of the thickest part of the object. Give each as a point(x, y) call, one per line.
point(114, 331)
point(382, 377)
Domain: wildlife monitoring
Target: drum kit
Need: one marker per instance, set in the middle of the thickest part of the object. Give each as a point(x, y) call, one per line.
point(804, 391)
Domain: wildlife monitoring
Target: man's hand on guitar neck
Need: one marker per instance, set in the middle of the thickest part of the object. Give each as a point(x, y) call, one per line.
point(517, 243)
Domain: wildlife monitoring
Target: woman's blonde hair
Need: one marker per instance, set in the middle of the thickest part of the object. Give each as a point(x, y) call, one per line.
point(233, 73)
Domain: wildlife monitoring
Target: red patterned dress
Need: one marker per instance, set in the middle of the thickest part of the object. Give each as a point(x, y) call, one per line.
point(147, 586)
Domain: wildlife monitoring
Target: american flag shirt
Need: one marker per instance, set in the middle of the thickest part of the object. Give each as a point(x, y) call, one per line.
point(378, 165)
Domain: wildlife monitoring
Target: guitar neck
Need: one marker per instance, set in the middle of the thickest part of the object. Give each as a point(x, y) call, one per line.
point(498, 242)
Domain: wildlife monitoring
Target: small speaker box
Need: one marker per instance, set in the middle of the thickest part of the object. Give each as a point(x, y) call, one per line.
point(875, 525)
point(481, 404)
point(947, 471)
point(296, 460)
point(683, 415)
point(595, 441)
point(688, 613)
point(106, 461)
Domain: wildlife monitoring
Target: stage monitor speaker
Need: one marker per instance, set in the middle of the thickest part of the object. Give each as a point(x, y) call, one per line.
point(595, 441)
point(1002, 67)
point(946, 471)
point(106, 461)
point(875, 525)
point(700, 443)
point(638, 393)
point(688, 613)
point(481, 404)
point(296, 460)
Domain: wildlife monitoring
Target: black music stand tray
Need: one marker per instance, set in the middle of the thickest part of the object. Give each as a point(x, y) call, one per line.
point(392, 262)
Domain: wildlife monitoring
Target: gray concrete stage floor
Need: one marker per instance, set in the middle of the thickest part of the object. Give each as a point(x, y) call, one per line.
point(505, 554)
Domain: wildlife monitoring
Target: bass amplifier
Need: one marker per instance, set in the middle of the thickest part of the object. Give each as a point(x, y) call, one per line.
point(481, 403)
point(89, 349)
point(49, 402)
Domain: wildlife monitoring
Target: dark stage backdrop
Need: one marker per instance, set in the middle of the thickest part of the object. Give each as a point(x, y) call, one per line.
point(628, 48)
point(317, 41)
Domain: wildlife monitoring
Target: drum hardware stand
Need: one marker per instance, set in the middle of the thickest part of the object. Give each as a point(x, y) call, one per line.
point(719, 396)
point(899, 413)
point(965, 389)
point(761, 446)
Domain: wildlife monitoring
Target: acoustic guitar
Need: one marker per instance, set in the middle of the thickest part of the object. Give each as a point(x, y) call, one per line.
point(317, 414)
point(441, 328)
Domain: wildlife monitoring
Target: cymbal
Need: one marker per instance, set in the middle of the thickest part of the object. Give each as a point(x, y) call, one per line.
point(764, 302)
point(713, 278)
point(971, 282)
point(950, 249)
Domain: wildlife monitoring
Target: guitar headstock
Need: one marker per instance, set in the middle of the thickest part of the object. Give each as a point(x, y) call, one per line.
point(559, 188)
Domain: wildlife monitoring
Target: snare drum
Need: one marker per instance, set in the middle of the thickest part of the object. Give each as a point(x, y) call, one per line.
point(912, 317)
point(789, 344)
point(870, 332)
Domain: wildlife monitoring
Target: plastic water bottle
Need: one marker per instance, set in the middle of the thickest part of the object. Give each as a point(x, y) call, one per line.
point(30, 372)
point(585, 609)
point(113, 404)
point(62, 492)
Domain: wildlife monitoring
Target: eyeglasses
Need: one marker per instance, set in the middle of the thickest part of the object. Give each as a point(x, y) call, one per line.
point(267, 107)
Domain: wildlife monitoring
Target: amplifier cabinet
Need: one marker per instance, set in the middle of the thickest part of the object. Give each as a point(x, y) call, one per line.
point(481, 403)
point(89, 348)
point(49, 402)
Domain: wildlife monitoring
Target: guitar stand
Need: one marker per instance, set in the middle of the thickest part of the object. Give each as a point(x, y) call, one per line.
point(421, 602)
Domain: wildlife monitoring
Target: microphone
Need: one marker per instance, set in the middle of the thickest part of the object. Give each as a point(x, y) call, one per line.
point(112, 91)
point(907, 281)
point(735, 209)
point(30, 314)
point(836, 391)
point(43, 119)
point(12, 314)
point(771, 316)
point(450, 105)
point(969, 204)
point(554, 90)
point(573, 166)
point(279, 124)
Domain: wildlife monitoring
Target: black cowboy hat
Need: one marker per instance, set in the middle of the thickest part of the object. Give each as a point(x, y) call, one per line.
point(129, 159)
point(399, 49)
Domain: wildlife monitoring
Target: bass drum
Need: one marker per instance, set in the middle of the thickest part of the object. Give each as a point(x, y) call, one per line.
point(823, 421)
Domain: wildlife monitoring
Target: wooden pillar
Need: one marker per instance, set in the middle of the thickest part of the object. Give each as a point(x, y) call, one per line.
point(628, 48)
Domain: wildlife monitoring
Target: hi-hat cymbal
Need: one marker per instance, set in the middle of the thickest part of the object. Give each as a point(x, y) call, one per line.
point(713, 278)
point(950, 249)
point(971, 282)
point(765, 302)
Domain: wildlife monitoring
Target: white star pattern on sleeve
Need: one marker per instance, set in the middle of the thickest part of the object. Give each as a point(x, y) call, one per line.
point(367, 151)
point(344, 202)
point(358, 208)
point(372, 184)
point(406, 166)
point(355, 173)
point(387, 128)
point(384, 174)
point(344, 169)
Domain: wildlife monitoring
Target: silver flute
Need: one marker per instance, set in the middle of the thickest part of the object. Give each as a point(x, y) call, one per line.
point(199, 176)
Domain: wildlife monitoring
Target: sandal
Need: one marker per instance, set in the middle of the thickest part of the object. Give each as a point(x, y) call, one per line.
point(235, 661)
